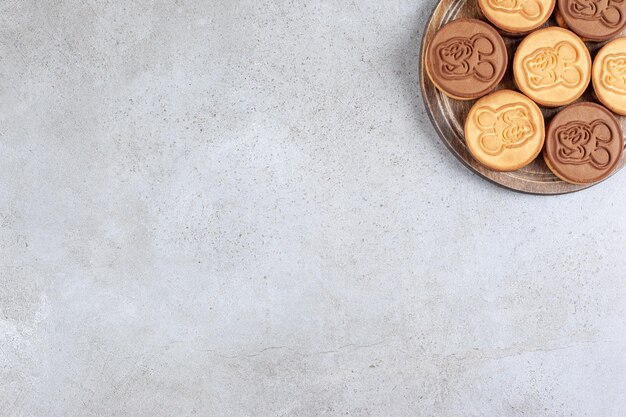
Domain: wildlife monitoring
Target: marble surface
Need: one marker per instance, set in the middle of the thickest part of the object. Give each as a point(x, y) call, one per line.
point(240, 208)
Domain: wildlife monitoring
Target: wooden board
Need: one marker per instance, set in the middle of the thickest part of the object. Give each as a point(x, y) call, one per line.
point(448, 115)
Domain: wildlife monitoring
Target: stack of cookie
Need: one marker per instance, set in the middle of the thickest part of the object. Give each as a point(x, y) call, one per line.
point(552, 67)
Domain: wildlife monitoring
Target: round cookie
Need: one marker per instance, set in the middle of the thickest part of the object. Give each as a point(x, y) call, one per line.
point(552, 66)
point(517, 16)
point(584, 143)
point(466, 59)
point(504, 131)
point(594, 20)
point(609, 75)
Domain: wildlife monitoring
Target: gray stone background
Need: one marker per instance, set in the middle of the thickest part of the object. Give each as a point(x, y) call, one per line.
point(240, 208)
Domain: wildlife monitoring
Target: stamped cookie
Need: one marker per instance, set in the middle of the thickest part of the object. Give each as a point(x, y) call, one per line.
point(517, 16)
point(466, 59)
point(504, 131)
point(594, 20)
point(552, 66)
point(609, 75)
point(584, 143)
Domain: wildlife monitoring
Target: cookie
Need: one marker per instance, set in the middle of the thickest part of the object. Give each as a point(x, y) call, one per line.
point(466, 59)
point(517, 16)
point(552, 66)
point(504, 131)
point(609, 75)
point(593, 20)
point(584, 143)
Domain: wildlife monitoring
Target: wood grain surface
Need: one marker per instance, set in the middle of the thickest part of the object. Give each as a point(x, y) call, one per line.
point(448, 115)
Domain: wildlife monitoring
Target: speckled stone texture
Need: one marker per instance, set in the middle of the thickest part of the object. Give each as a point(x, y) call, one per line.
point(240, 208)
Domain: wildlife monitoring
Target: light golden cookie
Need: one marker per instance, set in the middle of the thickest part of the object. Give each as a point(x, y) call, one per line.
point(552, 66)
point(517, 16)
point(504, 131)
point(609, 75)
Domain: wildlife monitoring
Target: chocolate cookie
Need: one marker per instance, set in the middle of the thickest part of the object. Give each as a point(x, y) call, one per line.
point(584, 143)
point(594, 20)
point(466, 59)
point(552, 66)
point(504, 131)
